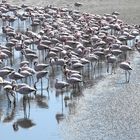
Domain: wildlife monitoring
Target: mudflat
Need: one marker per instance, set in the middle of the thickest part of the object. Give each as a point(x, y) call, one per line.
point(129, 9)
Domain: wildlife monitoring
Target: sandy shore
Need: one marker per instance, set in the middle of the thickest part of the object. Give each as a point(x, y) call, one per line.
point(129, 10)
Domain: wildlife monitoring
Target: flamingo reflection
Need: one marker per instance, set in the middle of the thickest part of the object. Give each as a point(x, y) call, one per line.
point(60, 115)
point(24, 122)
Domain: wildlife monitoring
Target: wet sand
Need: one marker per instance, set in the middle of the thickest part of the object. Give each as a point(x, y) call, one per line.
point(129, 10)
point(110, 110)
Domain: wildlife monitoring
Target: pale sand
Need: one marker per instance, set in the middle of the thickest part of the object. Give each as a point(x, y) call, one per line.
point(129, 9)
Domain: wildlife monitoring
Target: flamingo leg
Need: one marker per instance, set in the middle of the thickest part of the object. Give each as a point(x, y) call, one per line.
point(107, 67)
point(41, 84)
point(41, 87)
point(52, 69)
point(13, 95)
point(48, 94)
point(32, 78)
point(95, 65)
point(24, 106)
point(29, 107)
point(78, 87)
point(91, 64)
point(62, 101)
point(73, 86)
point(116, 66)
point(125, 55)
point(113, 68)
point(36, 83)
point(126, 76)
point(48, 83)
point(8, 97)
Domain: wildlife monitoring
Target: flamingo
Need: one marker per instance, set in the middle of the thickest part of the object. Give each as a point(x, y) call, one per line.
point(24, 122)
point(74, 81)
point(40, 66)
point(78, 4)
point(137, 45)
point(77, 65)
point(10, 90)
point(4, 72)
point(40, 75)
point(24, 63)
point(29, 69)
point(126, 67)
point(16, 76)
point(124, 49)
point(92, 58)
point(67, 72)
point(25, 73)
point(60, 84)
point(111, 59)
point(25, 89)
point(1, 80)
point(29, 56)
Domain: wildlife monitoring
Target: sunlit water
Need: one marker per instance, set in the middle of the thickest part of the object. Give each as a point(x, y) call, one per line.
point(100, 110)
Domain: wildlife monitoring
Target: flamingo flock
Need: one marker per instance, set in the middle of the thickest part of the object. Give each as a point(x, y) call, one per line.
point(38, 42)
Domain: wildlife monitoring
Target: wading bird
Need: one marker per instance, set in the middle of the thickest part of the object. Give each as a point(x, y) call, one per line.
point(126, 67)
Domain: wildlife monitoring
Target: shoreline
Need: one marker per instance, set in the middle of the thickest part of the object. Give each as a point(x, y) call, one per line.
point(129, 10)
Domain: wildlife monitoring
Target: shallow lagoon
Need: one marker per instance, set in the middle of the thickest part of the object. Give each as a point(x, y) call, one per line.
point(88, 115)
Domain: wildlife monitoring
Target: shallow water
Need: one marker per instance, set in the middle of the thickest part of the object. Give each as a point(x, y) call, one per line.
point(105, 108)
point(41, 115)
